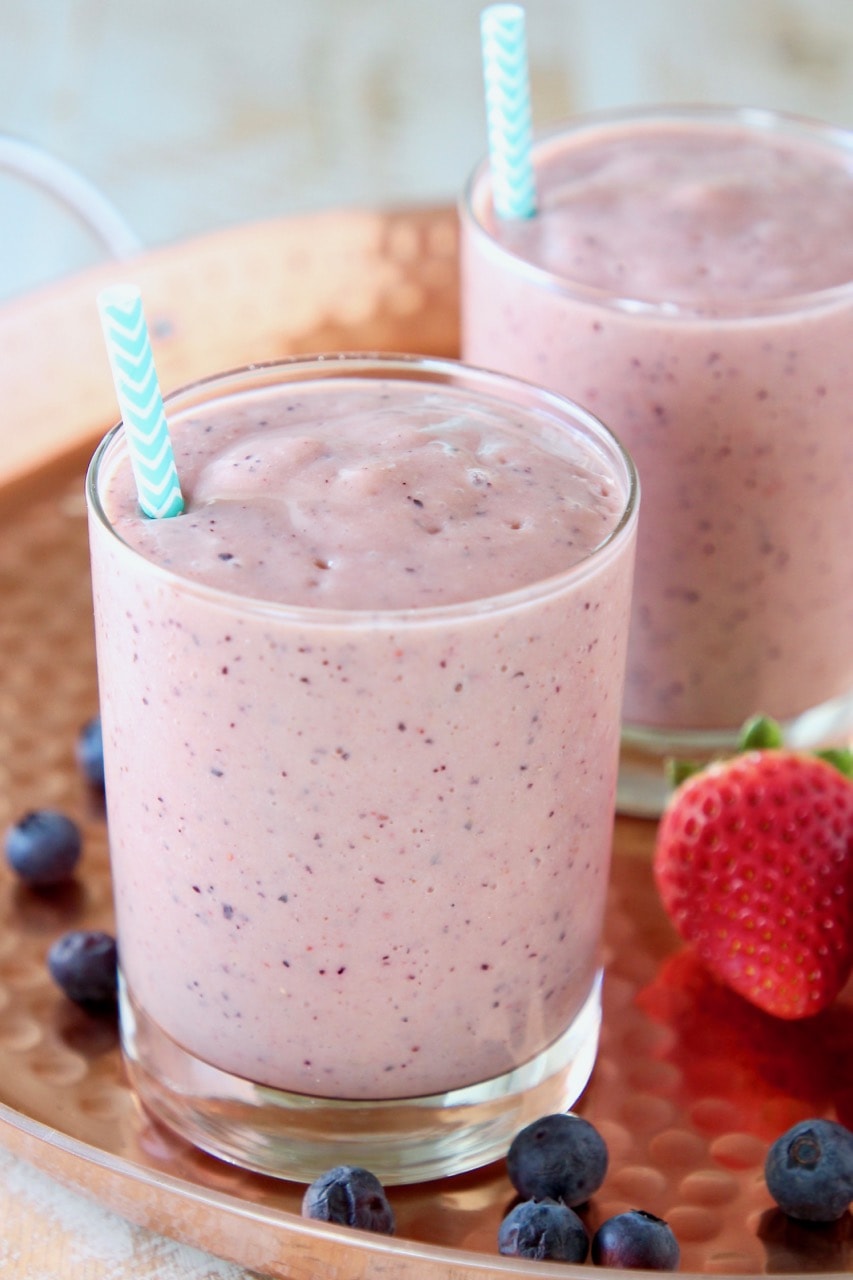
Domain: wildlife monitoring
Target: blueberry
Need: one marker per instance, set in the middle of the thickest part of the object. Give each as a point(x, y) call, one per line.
point(636, 1239)
point(543, 1229)
point(559, 1157)
point(351, 1197)
point(84, 964)
point(809, 1171)
point(44, 847)
point(90, 752)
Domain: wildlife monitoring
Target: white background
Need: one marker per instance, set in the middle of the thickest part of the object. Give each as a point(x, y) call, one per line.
point(193, 114)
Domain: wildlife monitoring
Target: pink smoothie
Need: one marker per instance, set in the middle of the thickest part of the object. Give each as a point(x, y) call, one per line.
point(361, 722)
point(689, 278)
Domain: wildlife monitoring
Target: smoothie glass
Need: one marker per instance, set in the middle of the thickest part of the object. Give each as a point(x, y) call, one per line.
point(689, 277)
point(360, 851)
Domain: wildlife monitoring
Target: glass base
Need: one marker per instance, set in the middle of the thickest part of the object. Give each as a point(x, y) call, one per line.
point(643, 788)
point(288, 1135)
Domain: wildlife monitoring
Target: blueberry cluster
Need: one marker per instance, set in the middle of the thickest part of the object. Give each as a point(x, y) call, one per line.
point(556, 1163)
point(44, 848)
point(559, 1161)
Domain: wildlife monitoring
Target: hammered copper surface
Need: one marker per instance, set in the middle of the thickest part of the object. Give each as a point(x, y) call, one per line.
point(690, 1086)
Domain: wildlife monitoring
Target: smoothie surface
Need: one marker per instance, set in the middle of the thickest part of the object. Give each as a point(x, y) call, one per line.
point(689, 213)
point(374, 495)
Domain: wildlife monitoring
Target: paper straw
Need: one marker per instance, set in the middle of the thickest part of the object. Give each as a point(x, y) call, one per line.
point(140, 402)
point(508, 112)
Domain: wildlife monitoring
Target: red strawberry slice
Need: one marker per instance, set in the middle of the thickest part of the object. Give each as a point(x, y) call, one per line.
point(754, 865)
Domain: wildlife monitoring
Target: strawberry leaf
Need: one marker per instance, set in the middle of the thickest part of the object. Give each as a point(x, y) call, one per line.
point(841, 758)
point(678, 771)
point(760, 733)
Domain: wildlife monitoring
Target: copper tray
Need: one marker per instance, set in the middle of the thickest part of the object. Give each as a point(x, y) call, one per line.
point(691, 1084)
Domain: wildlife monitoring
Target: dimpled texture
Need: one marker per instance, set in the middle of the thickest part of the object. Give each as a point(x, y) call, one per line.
point(754, 865)
point(636, 1240)
point(543, 1230)
point(809, 1170)
point(351, 1197)
point(558, 1157)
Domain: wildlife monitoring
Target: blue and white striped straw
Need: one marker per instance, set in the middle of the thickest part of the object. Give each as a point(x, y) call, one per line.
point(508, 111)
point(140, 401)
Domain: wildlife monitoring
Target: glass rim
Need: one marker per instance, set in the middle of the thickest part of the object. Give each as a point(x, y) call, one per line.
point(760, 120)
point(432, 370)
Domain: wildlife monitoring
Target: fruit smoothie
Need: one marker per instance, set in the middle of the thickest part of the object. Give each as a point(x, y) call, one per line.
point(689, 278)
point(360, 707)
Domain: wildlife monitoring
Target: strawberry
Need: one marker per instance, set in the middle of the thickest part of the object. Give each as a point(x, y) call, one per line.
point(754, 865)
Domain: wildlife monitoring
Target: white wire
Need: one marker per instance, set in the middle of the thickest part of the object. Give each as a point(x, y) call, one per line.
point(73, 191)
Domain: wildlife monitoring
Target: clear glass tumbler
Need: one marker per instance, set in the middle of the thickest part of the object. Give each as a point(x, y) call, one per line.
point(360, 851)
point(688, 276)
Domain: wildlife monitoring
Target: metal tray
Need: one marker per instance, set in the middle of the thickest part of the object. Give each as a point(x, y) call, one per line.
point(691, 1084)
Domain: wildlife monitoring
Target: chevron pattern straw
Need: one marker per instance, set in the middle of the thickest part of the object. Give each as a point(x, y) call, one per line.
point(508, 112)
point(140, 402)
